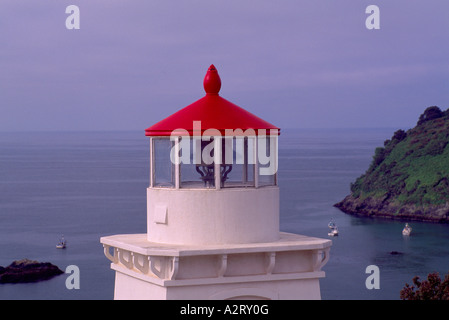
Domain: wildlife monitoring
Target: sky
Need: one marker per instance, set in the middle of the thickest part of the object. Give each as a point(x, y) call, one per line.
point(294, 63)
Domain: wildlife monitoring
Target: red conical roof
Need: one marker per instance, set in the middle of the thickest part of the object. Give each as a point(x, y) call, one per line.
point(213, 111)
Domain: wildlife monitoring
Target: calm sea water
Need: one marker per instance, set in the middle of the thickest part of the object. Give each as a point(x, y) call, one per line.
point(90, 184)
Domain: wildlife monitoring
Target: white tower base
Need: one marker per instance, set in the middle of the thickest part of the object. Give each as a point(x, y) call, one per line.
point(289, 268)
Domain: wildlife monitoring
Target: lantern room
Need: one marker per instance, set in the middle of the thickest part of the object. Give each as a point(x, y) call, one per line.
point(212, 145)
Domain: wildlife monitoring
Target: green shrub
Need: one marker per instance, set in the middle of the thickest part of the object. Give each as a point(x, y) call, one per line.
point(431, 289)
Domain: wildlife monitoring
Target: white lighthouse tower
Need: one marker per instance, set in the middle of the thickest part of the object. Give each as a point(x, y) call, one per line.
point(213, 213)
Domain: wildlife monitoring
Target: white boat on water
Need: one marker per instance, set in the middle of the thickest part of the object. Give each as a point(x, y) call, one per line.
point(333, 229)
point(407, 230)
point(62, 243)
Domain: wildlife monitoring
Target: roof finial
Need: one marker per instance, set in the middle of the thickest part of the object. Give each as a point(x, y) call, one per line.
point(212, 81)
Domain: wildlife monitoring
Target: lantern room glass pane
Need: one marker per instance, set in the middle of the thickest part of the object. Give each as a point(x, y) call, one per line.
point(192, 169)
point(238, 162)
point(267, 156)
point(164, 169)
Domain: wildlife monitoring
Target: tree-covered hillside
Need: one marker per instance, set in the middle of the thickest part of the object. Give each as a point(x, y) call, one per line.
point(409, 175)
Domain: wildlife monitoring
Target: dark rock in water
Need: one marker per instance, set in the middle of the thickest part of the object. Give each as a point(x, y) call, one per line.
point(21, 271)
point(395, 252)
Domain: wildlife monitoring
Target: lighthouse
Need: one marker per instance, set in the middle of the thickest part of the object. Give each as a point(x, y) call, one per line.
point(213, 213)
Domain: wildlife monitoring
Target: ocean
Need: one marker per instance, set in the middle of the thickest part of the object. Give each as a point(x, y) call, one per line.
point(85, 185)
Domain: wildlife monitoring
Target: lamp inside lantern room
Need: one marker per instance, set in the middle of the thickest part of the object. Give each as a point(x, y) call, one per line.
point(208, 157)
point(213, 161)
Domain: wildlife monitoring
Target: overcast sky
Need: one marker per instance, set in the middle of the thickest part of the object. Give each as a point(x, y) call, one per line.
point(295, 63)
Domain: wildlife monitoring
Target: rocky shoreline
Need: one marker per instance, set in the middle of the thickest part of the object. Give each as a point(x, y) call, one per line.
point(382, 208)
point(25, 270)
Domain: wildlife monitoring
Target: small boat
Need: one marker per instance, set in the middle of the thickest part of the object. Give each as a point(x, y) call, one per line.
point(62, 243)
point(407, 230)
point(333, 229)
